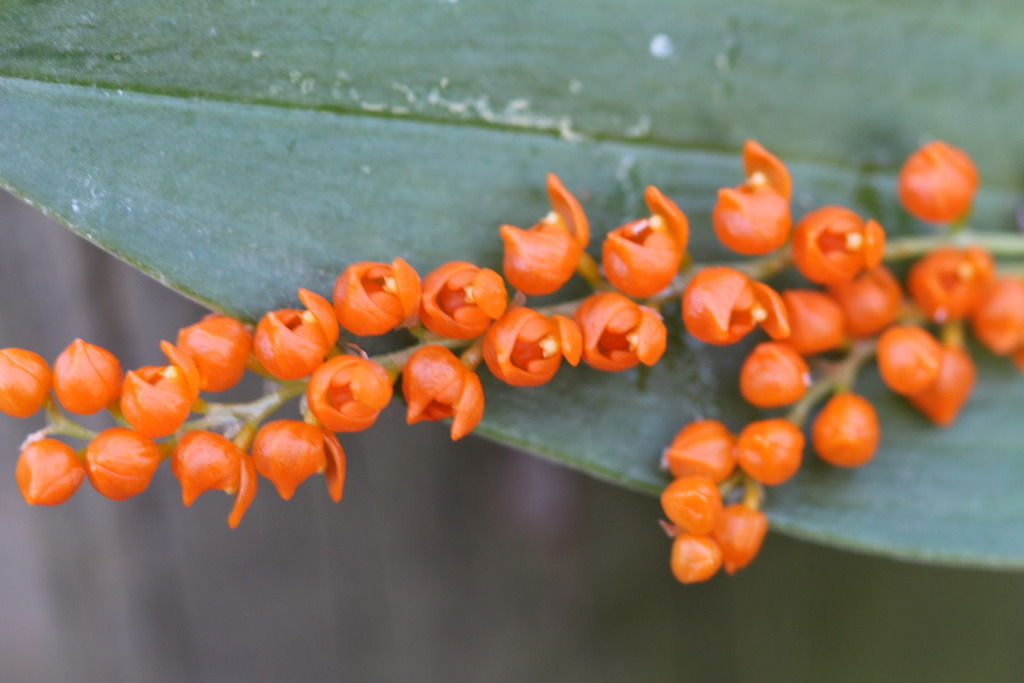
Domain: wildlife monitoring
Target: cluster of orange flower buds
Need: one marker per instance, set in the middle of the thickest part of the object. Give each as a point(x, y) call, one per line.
point(457, 305)
point(818, 339)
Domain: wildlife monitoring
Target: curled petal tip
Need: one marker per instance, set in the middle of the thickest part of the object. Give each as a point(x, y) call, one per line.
point(569, 210)
point(570, 339)
point(334, 474)
point(247, 484)
point(756, 159)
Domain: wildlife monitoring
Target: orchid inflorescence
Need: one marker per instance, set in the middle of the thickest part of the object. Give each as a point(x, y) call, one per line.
point(819, 338)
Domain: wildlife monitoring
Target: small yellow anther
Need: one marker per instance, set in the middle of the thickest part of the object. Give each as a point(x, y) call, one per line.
point(854, 241)
point(757, 179)
point(549, 346)
point(758, 314)
point(388, 284)
point(657, 223)
point(552, 218)
point(470, 294)
point(633, 338)
point(965, 271)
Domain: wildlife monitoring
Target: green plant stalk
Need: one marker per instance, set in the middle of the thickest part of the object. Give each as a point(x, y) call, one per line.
point(839, 377)
point(246, 417)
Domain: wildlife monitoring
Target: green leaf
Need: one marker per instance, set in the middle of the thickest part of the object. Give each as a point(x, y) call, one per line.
point(237, 150)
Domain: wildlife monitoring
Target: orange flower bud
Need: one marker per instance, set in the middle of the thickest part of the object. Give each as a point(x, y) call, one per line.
point(937, 183)
point(704, 447)
point(204, 461)
point(641, 258)
point(86, 378)
point(832, 244)
point(721, 305)
point(120, 462)
point(870, 301)
point(774, 375)
point(751, 219)
point(619, 333)
point(909, 359)
point(541, 259)
point(348, 392)
point(48, 472)
point(845, 433)
point(694, 558)
point(998, 320)
point(287, 452)
point(437, 385)
point(461, 300)
point(524, 348)
point(941, 402)
point(374, 298)
point(157, 400)
point(754, 217)
point(25, 382)
point(291, 343)
point(815, 321)
point(220, 347)
point(770, 451)
point(949, 283)
point(739, 534)
point(693, 503)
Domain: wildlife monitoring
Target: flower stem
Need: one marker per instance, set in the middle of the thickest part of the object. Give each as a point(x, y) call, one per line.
point(58, 424)
point(589, 271)
point(1005, 244)
point(753, 492)
point(839, 377)
point(246, 417)
point(221, 415)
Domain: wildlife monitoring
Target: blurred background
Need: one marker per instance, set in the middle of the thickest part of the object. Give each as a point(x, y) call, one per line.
point(444, 562)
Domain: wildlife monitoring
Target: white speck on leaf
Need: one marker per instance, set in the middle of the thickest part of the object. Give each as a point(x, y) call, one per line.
point(517, 105)
point(565, 130)
point(661, 46)
point(307, 86)
point(410, 96)
point(575, 87)
point(74, 206)
point(256, 54)
point(641, 129)
point(625, 168)
point(515, 114)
